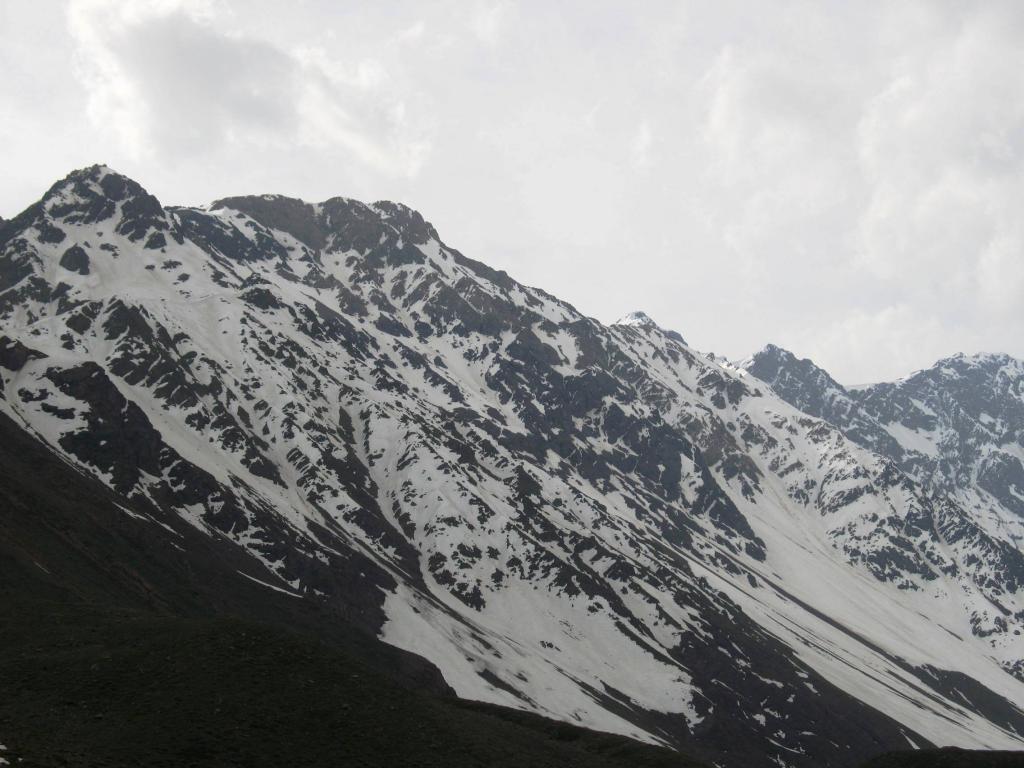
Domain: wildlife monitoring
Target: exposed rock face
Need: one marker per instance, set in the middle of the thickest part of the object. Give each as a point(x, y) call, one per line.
point(594, 522)
point(957, 429)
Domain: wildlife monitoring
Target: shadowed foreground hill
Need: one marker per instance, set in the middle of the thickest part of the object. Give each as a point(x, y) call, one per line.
point(85, 687)
point(118, 650)
point(948, 758)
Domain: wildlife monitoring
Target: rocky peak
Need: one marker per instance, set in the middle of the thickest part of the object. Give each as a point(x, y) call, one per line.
point(95, 195)
point(955, 426)
point(810, 388)
point(982, 367)
point(408, 221)
point(286, 214)
point(985, 387)
point(783, 370)
point(339, 223)
point(91, 194)
point(636, 320)
point(643, 321)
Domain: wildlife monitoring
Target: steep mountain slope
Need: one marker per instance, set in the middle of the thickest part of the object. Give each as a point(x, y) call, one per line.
point(957, 426)
point(121, 647)
point(961, 425)
point(810, 389)
point(595, 523)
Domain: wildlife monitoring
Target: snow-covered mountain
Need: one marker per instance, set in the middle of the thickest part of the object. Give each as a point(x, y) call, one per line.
point(597, 523)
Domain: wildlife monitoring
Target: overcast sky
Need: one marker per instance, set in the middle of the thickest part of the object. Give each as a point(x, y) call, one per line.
point(843, 179)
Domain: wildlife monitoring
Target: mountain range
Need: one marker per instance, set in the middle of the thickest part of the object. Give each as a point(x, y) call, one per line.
point(323, 415)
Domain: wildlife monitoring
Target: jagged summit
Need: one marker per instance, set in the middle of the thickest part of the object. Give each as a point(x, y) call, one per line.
point(642, 320)
point(783, 370)
point(774, 350)
point(637, 320)
point(94, 196)
point(313, 224)
point(964, 363)
point(956, 426)
point(775, 364)
point(94, 181)
point(774, 361)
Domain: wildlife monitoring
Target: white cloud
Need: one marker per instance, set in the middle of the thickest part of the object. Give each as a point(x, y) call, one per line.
point(640, 146)
point(889, 343)
point(487, 20)
point(172, 81)
point(942, 147)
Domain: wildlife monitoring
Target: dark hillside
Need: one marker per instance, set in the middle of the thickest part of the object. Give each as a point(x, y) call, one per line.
point(948, 758)
point(117, 649)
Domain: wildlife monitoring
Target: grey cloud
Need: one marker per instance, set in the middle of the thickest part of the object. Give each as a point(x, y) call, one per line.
point(176, 83)
point(200, 88)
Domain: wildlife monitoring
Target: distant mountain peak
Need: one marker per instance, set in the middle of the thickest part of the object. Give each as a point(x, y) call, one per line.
point(778, 366)
point(93, 181)
point(95, 195)
point(978, 360)
point(954, 426)
point(641, 320)
point(776, 351)
point(313, 224)
point(637, 319)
